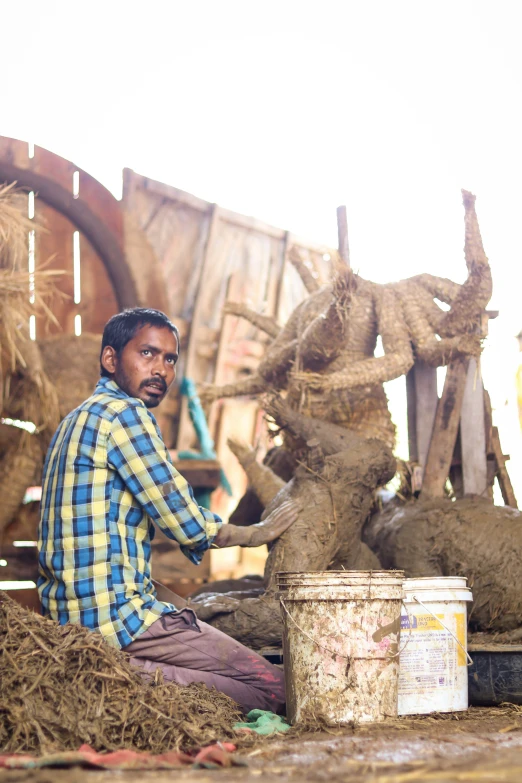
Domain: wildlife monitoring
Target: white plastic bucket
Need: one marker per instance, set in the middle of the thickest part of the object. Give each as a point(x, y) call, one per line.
point(340, 644)
point(433, 674)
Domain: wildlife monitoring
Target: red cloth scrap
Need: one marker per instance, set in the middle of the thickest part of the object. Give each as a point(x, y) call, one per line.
point(210, 757)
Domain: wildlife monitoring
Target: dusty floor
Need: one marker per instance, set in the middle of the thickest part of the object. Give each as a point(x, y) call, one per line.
point(482, 745)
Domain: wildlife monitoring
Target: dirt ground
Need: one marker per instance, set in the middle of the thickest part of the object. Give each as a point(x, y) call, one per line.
point(481, 745)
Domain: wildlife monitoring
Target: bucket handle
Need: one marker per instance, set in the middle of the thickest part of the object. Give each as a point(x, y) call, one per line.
point(408, 640)
point(332, 652)
point(417, 600)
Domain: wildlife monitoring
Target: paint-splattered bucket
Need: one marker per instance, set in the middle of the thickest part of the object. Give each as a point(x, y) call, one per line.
point(340, 643)
point(433, 661)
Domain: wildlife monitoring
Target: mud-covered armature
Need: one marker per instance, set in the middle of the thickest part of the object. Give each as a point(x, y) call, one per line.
point(334, 490)
point(324, 355)
point(334, 416)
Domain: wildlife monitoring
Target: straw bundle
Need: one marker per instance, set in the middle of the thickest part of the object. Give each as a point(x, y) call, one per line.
point(63, 686)
point(73, 363)
point(26, 392)
point(17, 287)
point(16, 282)
point(20, 467)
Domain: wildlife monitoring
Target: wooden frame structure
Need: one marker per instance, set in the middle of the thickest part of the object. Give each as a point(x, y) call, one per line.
point(454, 437)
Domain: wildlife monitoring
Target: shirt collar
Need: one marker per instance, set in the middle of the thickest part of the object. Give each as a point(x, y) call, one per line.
point(108, 386)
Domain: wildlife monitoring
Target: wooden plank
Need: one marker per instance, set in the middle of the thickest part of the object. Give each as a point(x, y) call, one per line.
point(251, 224)
point(107, 244)
point(455, 471)
point(53, 167)
point(445, 430)
point(54, 250)
point(488, 422)
point(422, 400)
point(132, 180)
point(15, 152)
point(279, 292)
point(54, 244)
point(200, 472)
point(102, 203)
point(186, 435)
point(506, 487)
point(473, 434)
point(342, 233)
point(98, 300)
point(246, 257)
point(313, 247)
point(178, 233)
point(491, 462)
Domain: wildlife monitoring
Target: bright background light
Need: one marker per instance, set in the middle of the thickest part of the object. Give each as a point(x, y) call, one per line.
point(284, 110)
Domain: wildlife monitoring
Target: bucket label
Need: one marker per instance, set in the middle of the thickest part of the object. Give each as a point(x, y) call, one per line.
point(430, 657)
point(423, 622)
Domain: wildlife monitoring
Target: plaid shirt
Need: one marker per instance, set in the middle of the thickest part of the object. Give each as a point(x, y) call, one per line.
point(107, 477)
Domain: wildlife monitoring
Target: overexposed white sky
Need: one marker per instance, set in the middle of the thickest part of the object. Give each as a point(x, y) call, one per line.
point(284, 110)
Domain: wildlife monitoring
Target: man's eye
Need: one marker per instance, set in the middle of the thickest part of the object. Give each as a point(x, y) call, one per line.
point(145, 352)
point(171, 361)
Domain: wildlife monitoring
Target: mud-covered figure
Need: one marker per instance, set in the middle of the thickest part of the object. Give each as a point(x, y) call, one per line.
point(469, 537)
point(334, 490)
point(323, 361)
point(324, 356)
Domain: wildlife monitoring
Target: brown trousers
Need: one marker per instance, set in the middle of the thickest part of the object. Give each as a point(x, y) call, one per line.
point(187, 650)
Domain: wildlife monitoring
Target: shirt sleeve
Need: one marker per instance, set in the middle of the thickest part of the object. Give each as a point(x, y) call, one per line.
point(137, 452)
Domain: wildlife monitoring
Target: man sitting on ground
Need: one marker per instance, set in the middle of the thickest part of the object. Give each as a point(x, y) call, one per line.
point(107, 477)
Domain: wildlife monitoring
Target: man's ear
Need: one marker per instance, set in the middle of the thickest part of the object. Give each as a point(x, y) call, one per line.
point(109, 359)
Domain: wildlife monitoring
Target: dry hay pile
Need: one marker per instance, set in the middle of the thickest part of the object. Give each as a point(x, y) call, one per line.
point(40, 382)
point(26, 393)
point(22, 293)
point(63, 686)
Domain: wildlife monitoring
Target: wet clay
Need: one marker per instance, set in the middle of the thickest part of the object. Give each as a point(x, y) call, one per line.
point(468, 537)
point(334, 497)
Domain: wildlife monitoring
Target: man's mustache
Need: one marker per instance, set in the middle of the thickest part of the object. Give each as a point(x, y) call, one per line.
point(157, 381)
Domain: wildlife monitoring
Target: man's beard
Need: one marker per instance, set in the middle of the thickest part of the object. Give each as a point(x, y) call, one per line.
point(153, 402)
point(123, 382)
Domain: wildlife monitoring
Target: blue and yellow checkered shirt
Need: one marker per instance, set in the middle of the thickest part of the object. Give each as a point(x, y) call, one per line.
point(107, 477)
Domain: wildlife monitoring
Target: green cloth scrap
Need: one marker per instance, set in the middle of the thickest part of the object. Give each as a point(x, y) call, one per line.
point(264, 722)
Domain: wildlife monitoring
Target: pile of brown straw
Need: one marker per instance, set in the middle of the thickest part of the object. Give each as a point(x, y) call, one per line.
point(62, 686)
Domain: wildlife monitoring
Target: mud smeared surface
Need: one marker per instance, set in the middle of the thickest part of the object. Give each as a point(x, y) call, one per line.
point(480, 745)
point(468, 537)
point(334, 502)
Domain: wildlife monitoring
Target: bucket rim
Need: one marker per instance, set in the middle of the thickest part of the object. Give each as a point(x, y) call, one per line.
point(344, 572)
point(425, 585)
point(437, 597)
point(442, 580)
point(330, 578)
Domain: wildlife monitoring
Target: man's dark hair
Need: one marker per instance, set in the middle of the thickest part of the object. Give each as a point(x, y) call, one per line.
point(121, 328)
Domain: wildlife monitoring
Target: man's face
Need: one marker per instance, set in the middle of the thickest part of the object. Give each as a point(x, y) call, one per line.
point(147, 365)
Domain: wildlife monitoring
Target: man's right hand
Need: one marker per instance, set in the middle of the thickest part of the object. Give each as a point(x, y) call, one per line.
point(263, 533)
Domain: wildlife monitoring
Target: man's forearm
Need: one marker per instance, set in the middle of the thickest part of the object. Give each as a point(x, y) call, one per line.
point(232, 535)
point(263, 532)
